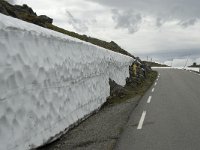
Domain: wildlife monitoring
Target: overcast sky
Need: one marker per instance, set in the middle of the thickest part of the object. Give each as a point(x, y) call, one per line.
point(166, 28)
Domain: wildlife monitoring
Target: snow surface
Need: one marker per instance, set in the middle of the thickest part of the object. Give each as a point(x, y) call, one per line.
point(48, 81)
point(192, 69)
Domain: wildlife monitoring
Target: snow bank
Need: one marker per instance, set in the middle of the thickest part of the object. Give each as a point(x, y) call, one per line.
point(48, 81)
point(192, 69)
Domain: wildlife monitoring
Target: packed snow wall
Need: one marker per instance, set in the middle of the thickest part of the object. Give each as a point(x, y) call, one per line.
point(48, 81)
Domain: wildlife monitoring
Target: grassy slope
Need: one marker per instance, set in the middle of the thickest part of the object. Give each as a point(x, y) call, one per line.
point(194, 66)
point(154, 64)
point(108, 45)
point(140, 90)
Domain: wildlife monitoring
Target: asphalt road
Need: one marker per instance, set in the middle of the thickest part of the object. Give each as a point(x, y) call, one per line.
point(168, 116)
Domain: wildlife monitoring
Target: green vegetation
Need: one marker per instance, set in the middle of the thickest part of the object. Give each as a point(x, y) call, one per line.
point(132, 91)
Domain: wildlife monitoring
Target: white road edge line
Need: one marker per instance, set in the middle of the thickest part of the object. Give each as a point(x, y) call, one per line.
point(155, 83)
point(141, 120)
point(152, 90)
point(149, 99)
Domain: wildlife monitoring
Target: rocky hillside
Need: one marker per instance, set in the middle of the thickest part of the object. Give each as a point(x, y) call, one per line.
point(154, 64)
point(26, 13)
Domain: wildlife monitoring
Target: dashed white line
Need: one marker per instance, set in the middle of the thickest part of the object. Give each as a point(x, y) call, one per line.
point(141, 120)
point(149, 99)
point(152, 90)
point(155, 83)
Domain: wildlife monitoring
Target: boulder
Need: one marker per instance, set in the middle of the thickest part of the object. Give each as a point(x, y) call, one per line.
point(46, 19)
point(116, 90)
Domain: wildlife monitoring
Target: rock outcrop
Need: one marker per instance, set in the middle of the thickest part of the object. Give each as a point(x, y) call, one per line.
point(25, 13)
point(116, 90)
point(46, 19)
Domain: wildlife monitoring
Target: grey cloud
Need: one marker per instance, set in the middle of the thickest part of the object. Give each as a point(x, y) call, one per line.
point(188, 23)
point(127, 20)
point(165, 55)
point(159, 22)
point(77, 24)
point(164, 10)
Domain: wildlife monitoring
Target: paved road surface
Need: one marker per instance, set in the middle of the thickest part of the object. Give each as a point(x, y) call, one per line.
point(168, 116)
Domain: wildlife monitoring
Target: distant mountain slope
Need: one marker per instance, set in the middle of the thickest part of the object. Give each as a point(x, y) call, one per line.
point(27, 14)
point(194, 65)
point(154, 64)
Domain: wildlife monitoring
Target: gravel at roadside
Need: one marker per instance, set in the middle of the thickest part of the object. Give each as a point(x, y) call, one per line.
point(100, 131)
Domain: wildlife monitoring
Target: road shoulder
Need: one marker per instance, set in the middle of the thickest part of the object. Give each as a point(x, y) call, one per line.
point(103, 129)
